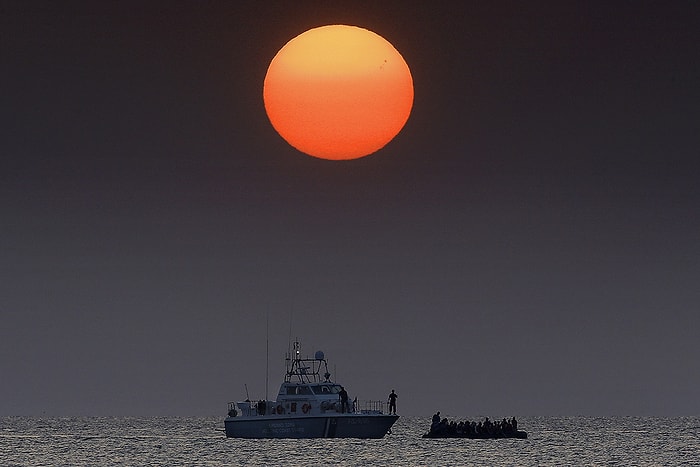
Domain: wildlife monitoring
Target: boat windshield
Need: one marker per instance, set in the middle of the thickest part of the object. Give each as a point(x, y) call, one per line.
point(298, 390)
point(325, 388)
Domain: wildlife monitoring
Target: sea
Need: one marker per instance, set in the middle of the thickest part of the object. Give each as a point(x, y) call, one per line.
point(195, 441)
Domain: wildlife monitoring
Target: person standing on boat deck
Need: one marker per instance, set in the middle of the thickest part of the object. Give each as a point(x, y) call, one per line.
point(343, 399)
point(392, 402)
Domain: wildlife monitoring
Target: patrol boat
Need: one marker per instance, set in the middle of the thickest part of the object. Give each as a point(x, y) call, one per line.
point(308, 405)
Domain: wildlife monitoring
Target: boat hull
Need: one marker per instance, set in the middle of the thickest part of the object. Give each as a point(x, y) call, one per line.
point(516, 435)
point(337, 426)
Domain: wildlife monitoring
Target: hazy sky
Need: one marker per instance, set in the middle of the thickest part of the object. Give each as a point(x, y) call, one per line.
point(528, 245)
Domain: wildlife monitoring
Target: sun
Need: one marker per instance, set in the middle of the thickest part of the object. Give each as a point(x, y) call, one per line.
point(338, 92)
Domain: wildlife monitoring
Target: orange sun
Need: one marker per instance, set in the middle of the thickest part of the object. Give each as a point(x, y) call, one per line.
point(338, 92)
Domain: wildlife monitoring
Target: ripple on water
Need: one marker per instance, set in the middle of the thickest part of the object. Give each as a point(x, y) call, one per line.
point(561, 441)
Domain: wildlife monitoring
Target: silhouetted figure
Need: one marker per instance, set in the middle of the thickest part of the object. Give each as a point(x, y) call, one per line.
point(392, 402)
point(442, 427)
point(452, 429)
point(343, 399)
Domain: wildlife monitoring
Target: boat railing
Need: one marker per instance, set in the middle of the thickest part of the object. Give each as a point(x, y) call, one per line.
point(370, 407)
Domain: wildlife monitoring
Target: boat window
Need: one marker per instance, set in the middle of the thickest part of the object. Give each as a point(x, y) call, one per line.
point(321, 389)
point(326, 388)
point(298, 390)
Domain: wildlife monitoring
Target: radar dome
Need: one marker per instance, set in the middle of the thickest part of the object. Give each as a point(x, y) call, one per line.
point(319, 355)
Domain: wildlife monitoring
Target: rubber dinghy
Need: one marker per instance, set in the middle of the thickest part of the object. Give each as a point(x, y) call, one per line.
point(443, 428)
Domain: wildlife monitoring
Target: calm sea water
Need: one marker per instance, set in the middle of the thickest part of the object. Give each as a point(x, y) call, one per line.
point(571, 441)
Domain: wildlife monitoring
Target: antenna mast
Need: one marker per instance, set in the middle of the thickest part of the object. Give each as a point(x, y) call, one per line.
point(267, 351)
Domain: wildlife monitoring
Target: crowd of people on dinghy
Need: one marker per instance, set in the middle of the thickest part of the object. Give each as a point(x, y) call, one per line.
point(444, 428)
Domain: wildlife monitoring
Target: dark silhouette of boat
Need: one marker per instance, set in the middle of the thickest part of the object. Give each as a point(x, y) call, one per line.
point(309, 405)
point(518, 435)
point(486, 429)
